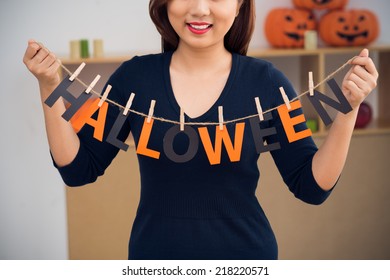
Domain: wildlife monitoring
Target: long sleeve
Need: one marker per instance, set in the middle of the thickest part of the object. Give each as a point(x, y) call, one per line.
point(294, 160)
point(93, 156)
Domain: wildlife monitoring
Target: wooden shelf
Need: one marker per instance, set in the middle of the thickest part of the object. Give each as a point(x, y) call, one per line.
point(316, 61)
point(96, 60)
point(375, 127)
point(309, 60)
point(271, 52)
point(260, 52)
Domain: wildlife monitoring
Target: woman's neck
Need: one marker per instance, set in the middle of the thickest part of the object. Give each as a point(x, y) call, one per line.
point(206, 60)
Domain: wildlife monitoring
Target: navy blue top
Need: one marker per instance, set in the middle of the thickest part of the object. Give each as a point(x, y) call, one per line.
point(196, 210)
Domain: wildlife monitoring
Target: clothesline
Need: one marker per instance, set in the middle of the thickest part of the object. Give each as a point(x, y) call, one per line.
point(204, 123)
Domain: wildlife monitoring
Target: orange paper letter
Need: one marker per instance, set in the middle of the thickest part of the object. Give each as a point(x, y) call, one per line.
point(289, 123)
point(84, 116)
point(142, 148)
point(234, 151)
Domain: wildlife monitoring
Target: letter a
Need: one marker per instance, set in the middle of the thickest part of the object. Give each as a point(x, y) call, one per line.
point(84, 116)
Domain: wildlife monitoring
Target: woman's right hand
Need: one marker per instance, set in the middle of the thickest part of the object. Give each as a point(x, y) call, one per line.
point(43, 64)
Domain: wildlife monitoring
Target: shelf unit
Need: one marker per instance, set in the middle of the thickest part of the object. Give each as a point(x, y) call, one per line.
point(308, 60)
point(316, 61)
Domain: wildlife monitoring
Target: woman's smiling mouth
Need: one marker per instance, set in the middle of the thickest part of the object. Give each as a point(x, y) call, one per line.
point(199, 27)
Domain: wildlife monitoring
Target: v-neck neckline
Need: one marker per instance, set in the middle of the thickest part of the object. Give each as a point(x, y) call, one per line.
point(213, 108)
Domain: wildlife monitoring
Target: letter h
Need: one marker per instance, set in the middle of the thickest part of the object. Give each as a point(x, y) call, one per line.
point(62, 91)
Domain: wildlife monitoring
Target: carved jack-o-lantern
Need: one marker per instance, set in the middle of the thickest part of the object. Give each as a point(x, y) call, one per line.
point(349, 28)
point(321, 4)
point(285, 28)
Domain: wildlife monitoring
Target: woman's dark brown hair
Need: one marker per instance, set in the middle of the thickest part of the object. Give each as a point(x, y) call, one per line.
point(236, 40)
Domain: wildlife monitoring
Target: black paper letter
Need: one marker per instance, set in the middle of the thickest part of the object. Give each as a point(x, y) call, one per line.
point(259, 135)
point(192, 147)
point(116, 128)
point(342, 106)
point(62, 91)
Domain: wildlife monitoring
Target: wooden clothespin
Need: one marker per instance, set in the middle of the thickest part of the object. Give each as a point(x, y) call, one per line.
point(77, 72)
point(182, 120)
point(220, 117)
point(129, 103)
point(94, 82)
point(259, 109)
point(105, 95)
point(311, 84)
point(285, 98)
point(151, 111)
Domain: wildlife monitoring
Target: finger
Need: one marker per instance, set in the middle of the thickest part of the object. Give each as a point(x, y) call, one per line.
point(49, 60)
point(41, 55)
point(367, 77)
point(51, 70)
point(31, 50)
point(364, 53)
point(349, 73)
point(360, 83)
point(353, 90)
point(367, 63)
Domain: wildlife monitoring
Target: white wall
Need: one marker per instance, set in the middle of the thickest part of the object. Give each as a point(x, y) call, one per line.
point(32, 197)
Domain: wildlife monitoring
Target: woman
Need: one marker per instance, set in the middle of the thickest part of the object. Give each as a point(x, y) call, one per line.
point(200, 203)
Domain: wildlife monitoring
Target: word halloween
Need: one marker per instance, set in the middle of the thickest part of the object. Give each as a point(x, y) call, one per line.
point(221, 137)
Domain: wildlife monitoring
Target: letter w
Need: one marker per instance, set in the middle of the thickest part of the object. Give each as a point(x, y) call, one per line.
point(233, 150)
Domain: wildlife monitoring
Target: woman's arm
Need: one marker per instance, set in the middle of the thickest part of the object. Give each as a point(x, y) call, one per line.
point(329, 160)
point(63, 141)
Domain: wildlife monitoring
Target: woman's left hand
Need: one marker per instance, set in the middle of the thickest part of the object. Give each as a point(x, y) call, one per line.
point(360, 80)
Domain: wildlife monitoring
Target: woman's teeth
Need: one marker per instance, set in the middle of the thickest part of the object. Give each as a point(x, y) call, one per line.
point(200, 27)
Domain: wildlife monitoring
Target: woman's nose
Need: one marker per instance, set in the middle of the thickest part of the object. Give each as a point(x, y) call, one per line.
point(200, 8)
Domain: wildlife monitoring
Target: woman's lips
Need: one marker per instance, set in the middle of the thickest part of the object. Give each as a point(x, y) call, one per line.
point(199, 28)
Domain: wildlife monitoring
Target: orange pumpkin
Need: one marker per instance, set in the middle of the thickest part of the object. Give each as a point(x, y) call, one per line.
point(285, 28)
point(321, 4)
point(349, 28)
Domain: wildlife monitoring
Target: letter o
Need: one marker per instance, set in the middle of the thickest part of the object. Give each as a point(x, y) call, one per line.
point(192, 147)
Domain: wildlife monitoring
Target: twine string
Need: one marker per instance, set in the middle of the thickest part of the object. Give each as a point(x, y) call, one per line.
point(206, 123)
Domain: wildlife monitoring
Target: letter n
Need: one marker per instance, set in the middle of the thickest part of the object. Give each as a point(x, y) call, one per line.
point(342, 106)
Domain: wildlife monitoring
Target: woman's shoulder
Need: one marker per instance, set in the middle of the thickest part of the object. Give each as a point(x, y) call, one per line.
point(140, 66)
point(255, 66)
point(259, 66)
point(145, 60)
point(255, 63)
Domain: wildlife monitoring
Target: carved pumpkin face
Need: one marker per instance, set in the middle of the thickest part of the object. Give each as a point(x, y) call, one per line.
point(320, 4)
point(349, 28)
point(285, 28)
